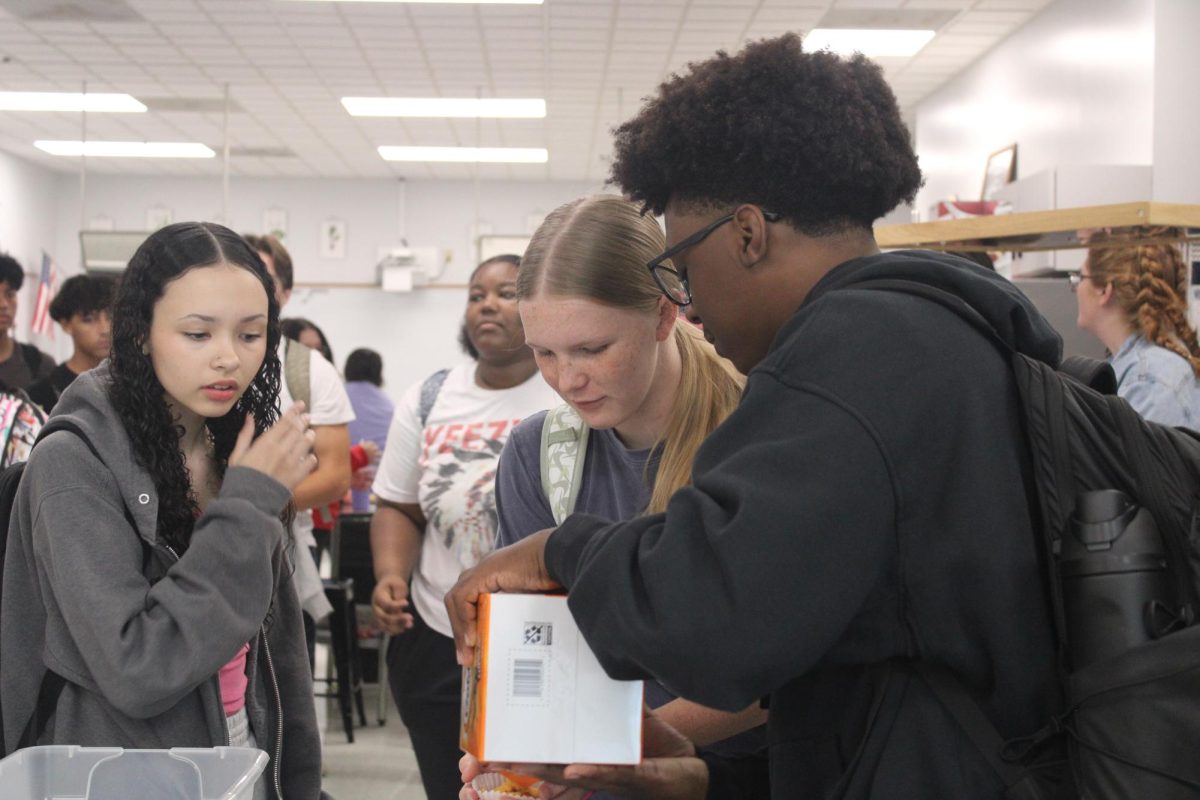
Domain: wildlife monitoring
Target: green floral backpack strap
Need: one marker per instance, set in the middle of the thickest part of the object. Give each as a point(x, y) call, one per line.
point(564, 448)
point(296, 366)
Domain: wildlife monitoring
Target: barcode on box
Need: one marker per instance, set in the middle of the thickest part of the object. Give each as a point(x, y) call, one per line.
point(539, 633)
point(528, 679)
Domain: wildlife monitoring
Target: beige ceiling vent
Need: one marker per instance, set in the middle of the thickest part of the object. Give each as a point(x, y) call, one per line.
point(930, 19)
point(71, 10)
point(197, 105)
point(257, 152)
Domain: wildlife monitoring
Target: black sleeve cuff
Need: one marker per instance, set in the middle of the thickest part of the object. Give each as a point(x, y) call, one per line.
point(742, 777)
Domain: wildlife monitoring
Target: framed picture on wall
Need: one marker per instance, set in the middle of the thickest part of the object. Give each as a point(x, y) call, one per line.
point(333, 238)
point(1001, 169)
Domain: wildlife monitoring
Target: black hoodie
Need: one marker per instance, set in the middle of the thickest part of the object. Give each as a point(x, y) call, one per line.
point(864, 507)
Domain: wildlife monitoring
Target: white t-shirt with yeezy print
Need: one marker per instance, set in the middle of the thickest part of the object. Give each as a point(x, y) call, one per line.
point(448, 466)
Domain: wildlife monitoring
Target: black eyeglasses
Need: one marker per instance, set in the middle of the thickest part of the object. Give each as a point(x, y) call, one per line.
point(674, 285)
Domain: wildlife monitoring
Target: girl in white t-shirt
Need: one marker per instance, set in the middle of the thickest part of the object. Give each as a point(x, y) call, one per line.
point(437, 508)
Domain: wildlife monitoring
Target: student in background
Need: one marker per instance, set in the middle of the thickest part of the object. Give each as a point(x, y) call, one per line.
point(373, 412)
point(81, 307)
point(20, 364)
point(301, 330)
point(437, 509)
point(363, 455)
point(330, 413)
point(1132, 296)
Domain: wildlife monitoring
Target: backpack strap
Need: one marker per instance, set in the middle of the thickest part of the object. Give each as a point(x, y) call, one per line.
point(297, 362)
point(53, 683)
point(1153, 496)
point(1091, 372)
point(564, 448)
point(429, 394)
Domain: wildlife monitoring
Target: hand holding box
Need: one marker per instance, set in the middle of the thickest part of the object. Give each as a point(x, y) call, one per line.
point(536, 693)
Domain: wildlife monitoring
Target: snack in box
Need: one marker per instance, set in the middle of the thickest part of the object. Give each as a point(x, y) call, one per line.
point(503, 785)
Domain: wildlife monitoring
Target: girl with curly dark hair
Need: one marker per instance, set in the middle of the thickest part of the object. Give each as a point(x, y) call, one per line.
point(1132, 296)
point(147, 588)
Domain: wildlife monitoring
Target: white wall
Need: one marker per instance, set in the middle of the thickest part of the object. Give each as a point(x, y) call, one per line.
point(1074, 86)
point(415, 333)
point(1176, 101)
point(28, 223)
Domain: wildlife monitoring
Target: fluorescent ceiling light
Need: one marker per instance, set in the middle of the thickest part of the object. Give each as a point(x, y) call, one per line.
point(69, 101)
point(871, 42)
point(491, 155)
point(126, 149)
point(444, 2)
point(444, 107)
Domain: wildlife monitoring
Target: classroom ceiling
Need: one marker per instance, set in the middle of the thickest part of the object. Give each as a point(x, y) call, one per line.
point(287, 63)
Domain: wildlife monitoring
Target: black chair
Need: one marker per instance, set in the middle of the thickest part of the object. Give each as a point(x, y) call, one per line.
point(343, 636)
point(350, 558)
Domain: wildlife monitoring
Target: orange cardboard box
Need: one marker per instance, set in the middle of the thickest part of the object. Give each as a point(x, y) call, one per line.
point(537, 694)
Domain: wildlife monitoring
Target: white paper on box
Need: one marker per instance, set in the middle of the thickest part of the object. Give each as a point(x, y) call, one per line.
point(537, 694)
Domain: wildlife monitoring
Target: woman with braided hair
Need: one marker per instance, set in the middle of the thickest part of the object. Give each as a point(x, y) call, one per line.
point(1131, 296)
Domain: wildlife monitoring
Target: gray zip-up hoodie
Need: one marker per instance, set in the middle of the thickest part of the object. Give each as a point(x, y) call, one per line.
point(139, 633)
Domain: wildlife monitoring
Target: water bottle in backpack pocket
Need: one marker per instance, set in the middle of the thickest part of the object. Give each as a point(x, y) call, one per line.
point(1133, 670)
point(1116, 590)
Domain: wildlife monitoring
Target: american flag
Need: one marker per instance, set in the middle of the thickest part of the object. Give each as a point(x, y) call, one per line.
point(41, 308)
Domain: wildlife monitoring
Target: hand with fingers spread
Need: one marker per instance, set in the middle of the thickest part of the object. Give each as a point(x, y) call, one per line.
point(669, 770)
point(520, 567)
point(283, 451)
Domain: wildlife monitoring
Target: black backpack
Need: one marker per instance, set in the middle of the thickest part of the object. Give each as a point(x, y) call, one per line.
point(1130, 725)
point(10, 479)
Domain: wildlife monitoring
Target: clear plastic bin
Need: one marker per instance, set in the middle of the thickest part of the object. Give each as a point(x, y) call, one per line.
point(67, 772)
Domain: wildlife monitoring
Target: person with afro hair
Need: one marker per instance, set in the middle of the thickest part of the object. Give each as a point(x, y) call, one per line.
point(81, 308)
point(860, 522)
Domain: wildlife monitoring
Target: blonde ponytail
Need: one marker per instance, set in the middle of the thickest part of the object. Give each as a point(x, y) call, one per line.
point(709, 390)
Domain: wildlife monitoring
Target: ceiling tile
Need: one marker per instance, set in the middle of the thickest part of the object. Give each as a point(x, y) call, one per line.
point(288, 63)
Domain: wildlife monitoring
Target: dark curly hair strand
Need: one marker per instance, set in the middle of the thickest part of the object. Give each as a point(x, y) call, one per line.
point(812, 136)
point(139, 397)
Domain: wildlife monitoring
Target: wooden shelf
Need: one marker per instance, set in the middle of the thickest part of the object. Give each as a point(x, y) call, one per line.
point(1038, 230)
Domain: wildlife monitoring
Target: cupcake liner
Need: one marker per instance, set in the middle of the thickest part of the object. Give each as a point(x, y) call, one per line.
point(487, 785)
